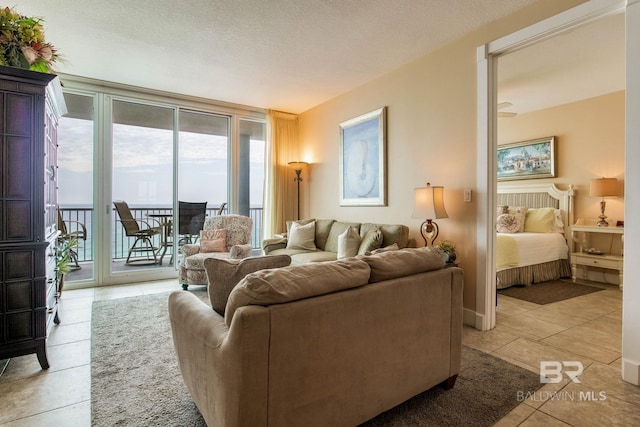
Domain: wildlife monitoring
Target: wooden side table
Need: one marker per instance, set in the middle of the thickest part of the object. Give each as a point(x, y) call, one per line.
point(597, 258)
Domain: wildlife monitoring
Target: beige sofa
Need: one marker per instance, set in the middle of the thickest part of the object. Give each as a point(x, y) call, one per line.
point(322, 344)
point(327, 232)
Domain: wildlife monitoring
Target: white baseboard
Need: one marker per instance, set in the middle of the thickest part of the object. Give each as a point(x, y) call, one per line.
point(631, 371)
point(469, 317)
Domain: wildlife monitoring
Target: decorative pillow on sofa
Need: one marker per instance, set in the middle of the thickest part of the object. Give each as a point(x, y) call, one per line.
point(302, 236)
point(348, 243)
point(337, 228)
point(540, 220)
point(509, 223)
point(371, 241)
point(213, 240)
point(224, 274)
point(282, 285)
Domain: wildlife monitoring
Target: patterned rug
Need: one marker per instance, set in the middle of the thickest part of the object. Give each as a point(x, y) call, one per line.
point(135, 379)
point(548, 292)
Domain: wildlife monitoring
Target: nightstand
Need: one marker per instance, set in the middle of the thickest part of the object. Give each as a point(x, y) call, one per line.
point(610, 258)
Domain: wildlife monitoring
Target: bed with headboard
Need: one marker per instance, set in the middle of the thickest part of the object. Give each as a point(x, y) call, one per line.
point(533, 227)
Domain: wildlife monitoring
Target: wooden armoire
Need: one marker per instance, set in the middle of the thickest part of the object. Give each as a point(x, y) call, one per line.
point(31, 104)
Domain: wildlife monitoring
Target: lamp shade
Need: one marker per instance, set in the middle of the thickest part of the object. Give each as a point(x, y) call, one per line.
point(428, 202)
point(604, 187)
point(298, 164)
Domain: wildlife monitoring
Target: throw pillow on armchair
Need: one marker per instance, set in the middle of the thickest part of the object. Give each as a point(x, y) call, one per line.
point(213, 240)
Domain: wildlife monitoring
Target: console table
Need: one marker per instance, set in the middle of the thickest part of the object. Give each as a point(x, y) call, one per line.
point(608, 259)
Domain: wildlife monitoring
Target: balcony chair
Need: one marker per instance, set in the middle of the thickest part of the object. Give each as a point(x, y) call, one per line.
point(79, 233)
point(191, 218)
point(237, 246)
point(143, 236)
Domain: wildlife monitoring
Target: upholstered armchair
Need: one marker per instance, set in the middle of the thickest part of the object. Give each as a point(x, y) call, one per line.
point(224, 237)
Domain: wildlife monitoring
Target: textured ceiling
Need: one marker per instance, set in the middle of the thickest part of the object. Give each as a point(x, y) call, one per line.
point(288, 55)
point(582, 63)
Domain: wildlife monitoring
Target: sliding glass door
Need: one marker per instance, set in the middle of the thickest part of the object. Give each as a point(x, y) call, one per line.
point(203, 177)
point(142, 186)
point(75, 182)
point(137, 157)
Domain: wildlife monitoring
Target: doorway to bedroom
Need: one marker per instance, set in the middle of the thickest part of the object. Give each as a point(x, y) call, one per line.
point(580, 124)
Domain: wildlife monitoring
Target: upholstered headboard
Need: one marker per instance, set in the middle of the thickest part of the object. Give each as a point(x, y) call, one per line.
point(539, 196)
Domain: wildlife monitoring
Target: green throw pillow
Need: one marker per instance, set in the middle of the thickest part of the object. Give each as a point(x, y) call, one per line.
point(371, 241)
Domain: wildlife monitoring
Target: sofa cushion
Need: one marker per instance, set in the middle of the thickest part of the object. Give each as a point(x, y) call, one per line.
point(296, 282)
point(391, 233)
point(393, 247)
point(348, 243)
point(404, 262)
point(213, 240)
point(317, 256)
point(224, 274)
point(300, 221)
point(337, 228)
point(371, 241)
point(323, 227)
point(302, 236)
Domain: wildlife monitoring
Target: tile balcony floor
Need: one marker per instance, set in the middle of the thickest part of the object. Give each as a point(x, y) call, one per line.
point(586, 328)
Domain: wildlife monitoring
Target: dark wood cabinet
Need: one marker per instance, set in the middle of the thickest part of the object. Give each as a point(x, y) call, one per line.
point(30, 106)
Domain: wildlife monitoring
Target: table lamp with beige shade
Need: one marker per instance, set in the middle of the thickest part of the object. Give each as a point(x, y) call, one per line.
point(429, 205)
point(603, 187)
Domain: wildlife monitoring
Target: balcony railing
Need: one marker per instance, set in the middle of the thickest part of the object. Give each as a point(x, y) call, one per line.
point(120, 242)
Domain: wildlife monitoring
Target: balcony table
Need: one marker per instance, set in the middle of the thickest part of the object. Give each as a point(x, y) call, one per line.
point(166, 222)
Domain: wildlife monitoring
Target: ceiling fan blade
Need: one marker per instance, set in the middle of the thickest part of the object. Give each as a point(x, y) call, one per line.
point(503, 105)
point(505, 114)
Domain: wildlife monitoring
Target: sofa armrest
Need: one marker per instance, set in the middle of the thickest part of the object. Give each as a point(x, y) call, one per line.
point(224, 368)
point(190, 249)
point(269, 245)
point(240, 251)
point(188, 313)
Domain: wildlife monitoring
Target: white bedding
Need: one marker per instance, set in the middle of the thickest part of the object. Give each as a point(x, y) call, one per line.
point(537, 248)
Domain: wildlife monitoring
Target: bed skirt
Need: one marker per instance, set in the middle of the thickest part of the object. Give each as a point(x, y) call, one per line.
point(544, 272)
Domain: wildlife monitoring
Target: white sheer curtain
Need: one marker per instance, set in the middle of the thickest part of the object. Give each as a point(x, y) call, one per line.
point(279, 195)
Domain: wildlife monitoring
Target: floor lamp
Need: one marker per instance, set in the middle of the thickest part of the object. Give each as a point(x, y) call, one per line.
point(428, 204)
point(297, 167)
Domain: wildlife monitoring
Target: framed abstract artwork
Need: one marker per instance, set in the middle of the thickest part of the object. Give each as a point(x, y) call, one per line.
point(363, 162)
point(527, 159)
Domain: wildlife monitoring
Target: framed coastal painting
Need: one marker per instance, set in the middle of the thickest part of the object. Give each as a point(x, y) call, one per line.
point(363, 164)
point(527, 159)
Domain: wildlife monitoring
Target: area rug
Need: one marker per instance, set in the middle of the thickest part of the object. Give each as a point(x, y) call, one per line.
point(548, 292)
point(135, 379)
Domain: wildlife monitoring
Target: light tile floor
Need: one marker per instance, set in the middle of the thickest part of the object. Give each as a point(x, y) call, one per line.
point(586, 329)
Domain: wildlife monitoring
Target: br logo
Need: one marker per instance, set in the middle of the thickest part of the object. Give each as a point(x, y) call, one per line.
point(551, 371)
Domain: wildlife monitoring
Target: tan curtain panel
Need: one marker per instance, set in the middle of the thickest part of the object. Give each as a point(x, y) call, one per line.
point(279, 193)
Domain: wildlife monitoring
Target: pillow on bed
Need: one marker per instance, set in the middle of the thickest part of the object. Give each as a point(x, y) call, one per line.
point(509, 223)
point(519, 211)
point(558, 224)
point(540, 220)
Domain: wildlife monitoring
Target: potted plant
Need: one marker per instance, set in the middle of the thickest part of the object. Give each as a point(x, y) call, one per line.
point(22, 43)
point(63, 259)
point(449, 249)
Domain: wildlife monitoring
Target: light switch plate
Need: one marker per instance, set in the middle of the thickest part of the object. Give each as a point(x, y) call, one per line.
point(467, 195)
